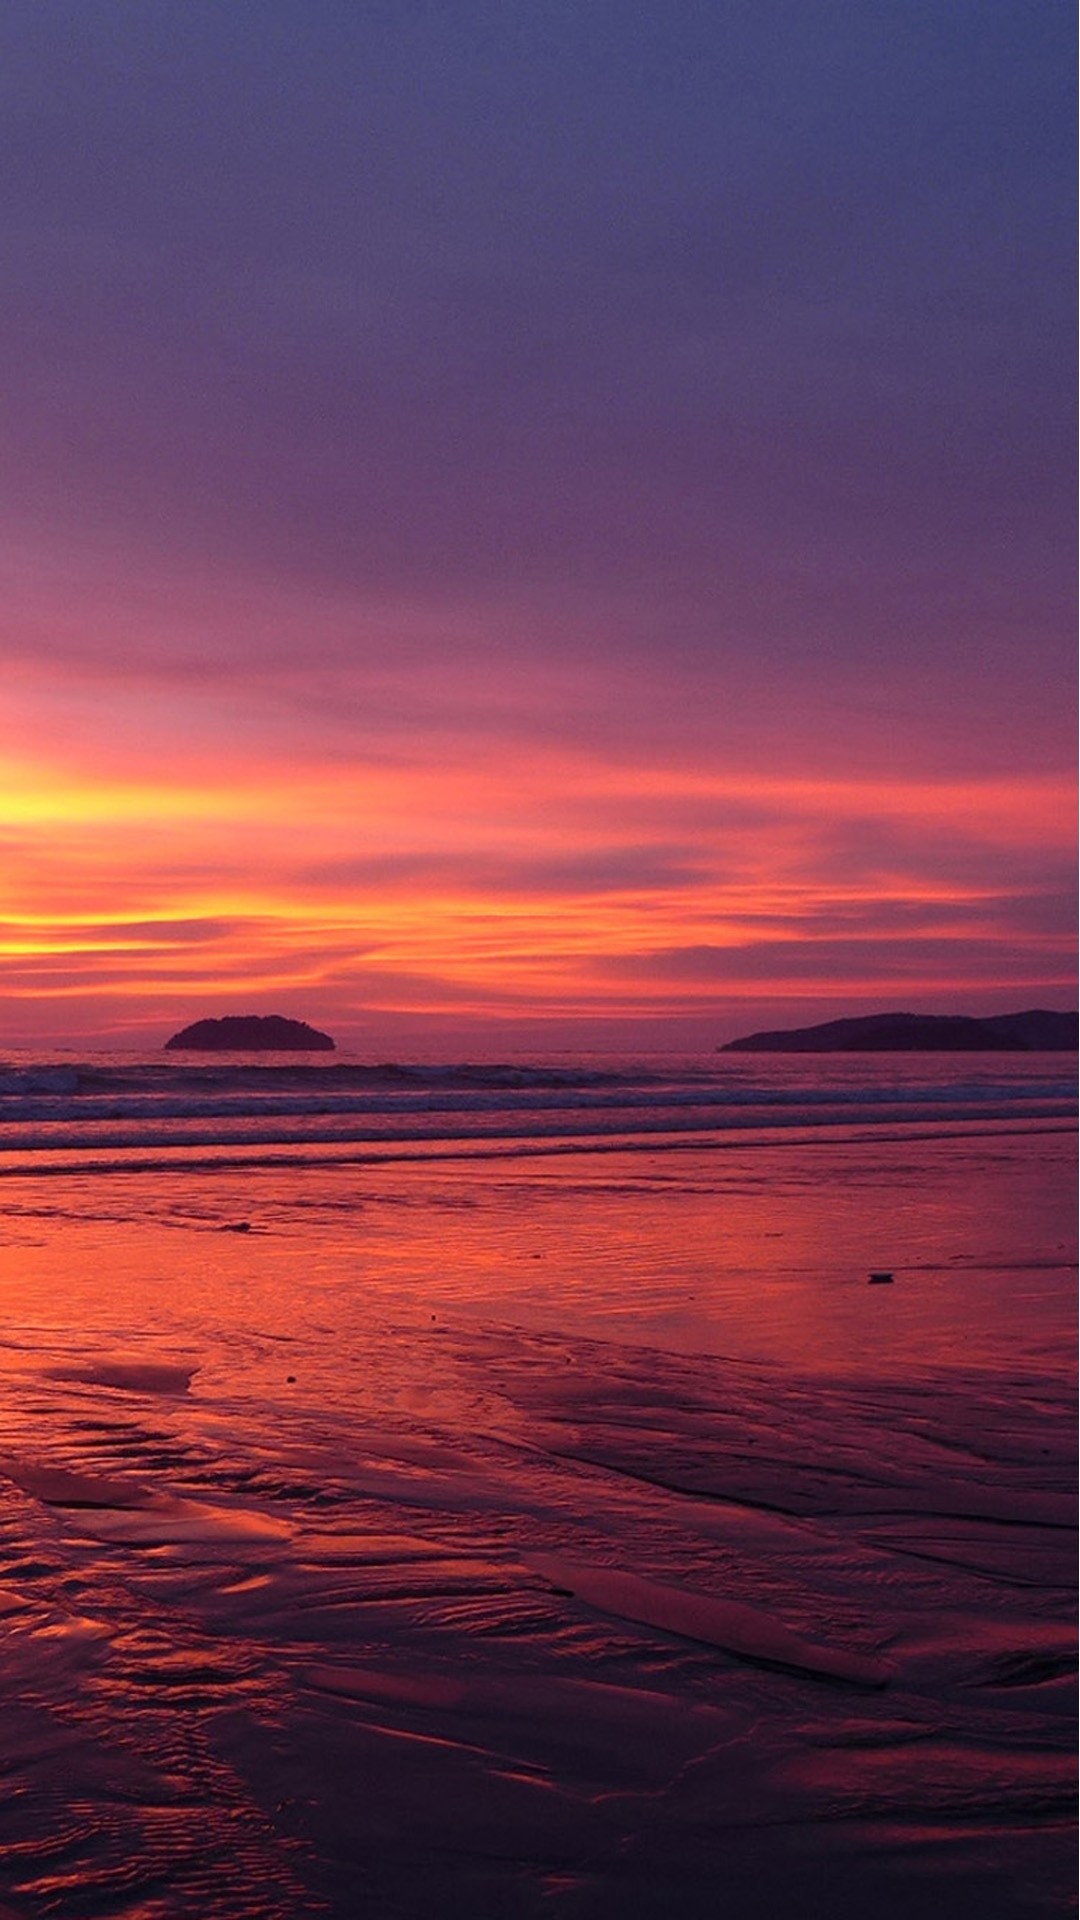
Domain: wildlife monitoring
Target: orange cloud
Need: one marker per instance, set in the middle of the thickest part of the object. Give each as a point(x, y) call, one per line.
point(560, 883)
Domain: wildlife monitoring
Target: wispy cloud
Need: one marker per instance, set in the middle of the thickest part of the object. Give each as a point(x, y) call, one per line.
point(523, 509)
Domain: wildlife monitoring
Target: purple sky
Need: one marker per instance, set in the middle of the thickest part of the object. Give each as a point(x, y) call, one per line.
point(642, 436)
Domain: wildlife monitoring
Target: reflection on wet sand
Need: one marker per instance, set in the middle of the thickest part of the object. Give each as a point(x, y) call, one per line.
point(324, 1593)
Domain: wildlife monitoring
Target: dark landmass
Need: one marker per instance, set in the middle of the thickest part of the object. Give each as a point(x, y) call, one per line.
point(250, 1033)
point(1036, 1031)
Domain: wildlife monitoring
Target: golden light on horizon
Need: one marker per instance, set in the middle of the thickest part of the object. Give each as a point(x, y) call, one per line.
point(573, 884)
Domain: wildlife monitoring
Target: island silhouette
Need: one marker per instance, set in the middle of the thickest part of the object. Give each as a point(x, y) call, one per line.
point(250, 1033)
point(1036, 1031)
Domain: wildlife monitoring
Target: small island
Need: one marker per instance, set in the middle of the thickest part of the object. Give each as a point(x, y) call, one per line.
point(1036, 1031)
point(250, 1033)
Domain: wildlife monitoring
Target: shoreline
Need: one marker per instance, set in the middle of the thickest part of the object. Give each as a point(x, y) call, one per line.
point(422, 1550)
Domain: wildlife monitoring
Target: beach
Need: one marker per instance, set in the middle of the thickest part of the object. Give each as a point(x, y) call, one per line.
point(538, 1057)
point(454, 1511)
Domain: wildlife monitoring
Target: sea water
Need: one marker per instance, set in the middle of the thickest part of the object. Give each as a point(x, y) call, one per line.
point(63, 1110)
point(496, 1488)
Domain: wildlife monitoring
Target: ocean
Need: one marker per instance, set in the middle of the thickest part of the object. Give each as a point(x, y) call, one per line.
point(110, 1110)
point(499, 1488)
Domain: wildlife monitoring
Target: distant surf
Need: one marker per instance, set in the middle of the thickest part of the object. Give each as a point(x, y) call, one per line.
point(116, 1105)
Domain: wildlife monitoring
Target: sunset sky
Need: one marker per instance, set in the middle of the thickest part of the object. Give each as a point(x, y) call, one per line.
point(537, 524)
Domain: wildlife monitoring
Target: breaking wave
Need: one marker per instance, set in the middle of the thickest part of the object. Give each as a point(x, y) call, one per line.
point(126, 1105)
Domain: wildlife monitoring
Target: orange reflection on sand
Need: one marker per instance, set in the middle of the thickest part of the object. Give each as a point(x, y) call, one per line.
point(472, 1486)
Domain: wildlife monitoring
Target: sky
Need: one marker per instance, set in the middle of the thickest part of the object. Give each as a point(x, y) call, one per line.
point(534, 526)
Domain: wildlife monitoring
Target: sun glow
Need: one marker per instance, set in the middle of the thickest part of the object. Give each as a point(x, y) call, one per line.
point(564, 884)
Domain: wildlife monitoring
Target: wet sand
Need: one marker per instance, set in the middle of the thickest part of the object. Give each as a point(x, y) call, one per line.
point(333, 1582)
